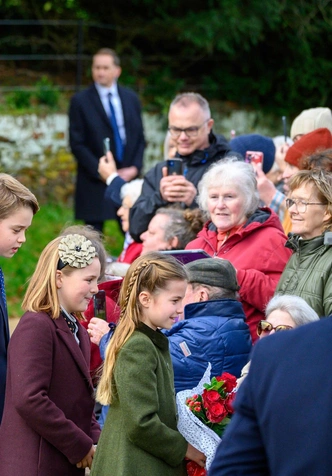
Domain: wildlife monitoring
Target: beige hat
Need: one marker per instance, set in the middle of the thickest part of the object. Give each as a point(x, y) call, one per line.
point(310, 120)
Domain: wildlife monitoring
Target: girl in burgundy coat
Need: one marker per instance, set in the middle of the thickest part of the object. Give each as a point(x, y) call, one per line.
point(48, 427)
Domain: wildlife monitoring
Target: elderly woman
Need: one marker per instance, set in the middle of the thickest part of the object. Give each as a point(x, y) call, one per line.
point(282, 314)
point(251, 238)
point(171, 228)
point(309, 271)
point(129, 193)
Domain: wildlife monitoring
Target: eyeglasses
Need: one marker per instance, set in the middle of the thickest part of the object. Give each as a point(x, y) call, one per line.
point(301, 205)
point(189, 131)
point(265, 327)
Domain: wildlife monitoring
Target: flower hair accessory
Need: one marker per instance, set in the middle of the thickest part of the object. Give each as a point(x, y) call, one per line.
point(76, 251)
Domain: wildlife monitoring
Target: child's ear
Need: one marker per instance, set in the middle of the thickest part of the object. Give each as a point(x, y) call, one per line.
point(58, 279)
point(144, 298)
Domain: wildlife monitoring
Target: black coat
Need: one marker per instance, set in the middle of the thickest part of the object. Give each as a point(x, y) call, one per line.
point(89, 125)
point(195, 165)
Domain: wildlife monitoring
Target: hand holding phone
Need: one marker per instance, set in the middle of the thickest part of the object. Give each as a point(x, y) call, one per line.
point(174, 167)
point(254, 157)
point(284, 127)
point(99, 304)
point(107, 146)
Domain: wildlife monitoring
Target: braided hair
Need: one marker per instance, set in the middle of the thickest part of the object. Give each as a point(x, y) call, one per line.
point(152, 273)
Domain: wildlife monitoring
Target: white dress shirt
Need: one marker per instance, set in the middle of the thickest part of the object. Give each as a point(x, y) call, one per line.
point(116, 102)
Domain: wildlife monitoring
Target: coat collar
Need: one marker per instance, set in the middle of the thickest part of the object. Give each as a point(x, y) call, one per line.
point(80, 352)
point(157, 336)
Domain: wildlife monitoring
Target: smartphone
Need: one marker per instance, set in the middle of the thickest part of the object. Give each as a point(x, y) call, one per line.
point(99, 304)
point(174, 167)
point(284, 127)
point(254, 157)
point(107, 146)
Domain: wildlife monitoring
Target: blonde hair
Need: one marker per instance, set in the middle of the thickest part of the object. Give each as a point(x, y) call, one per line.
point(14, 195)
point(152, 273)
point(321, 180)
point(42, 292)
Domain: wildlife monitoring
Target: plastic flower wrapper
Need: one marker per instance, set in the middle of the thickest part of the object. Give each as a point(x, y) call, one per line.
point(203, 414)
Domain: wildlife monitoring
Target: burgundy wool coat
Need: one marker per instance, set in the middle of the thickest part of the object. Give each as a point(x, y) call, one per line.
point(48, 424)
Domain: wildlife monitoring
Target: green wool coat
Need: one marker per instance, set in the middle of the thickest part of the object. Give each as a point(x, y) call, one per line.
point(308, 273)
point(140, 436)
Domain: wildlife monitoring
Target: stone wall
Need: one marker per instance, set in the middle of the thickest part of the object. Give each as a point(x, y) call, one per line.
point(35, 149)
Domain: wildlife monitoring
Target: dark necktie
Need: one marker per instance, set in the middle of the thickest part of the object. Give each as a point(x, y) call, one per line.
point(2, 288)
point(116, 133)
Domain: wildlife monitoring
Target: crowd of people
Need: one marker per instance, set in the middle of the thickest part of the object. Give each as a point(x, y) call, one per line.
point(78, 391)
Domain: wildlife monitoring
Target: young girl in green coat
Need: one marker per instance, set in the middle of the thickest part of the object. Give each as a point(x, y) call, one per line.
point(140, 435)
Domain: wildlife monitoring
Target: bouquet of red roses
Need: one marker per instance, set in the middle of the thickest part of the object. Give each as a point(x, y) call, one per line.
point(204, 412)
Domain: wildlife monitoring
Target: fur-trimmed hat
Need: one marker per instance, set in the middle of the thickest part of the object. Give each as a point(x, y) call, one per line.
point(311, 119)
point(319, 139)
point(213, 272)
point(258, 143)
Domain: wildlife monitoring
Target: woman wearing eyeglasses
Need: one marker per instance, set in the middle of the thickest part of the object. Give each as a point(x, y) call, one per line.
point(282, 313)
point(308, 273)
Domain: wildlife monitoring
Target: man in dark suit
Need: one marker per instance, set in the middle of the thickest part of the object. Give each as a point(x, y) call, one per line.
point(282, 420)
point(105, 109)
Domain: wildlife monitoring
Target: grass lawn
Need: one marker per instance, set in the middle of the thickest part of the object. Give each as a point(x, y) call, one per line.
point(46, 225)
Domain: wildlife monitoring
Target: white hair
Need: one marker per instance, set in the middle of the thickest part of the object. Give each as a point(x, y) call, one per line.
point(230, 172)
point(298, 309)
point(132, 189)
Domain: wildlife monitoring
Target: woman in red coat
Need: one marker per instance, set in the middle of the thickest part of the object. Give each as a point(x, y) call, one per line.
point(48, 426)
point(251, 238)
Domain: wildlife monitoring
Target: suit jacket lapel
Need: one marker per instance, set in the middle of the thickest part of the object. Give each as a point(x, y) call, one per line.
point(98, 105)
point(80, 355)
point(126, 109)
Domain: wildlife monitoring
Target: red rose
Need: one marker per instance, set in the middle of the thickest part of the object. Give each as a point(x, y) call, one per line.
point(216, 412)
point(193, 469)
point(210, 396)
point(229, 402)
point(230, 381)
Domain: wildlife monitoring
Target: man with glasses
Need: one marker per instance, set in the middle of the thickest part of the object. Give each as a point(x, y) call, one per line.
point(190, 127)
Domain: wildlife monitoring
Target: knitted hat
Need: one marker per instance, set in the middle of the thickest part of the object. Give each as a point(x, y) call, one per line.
point(212, 272)
point(255, 142)
point(319, 139)
point(311, 119)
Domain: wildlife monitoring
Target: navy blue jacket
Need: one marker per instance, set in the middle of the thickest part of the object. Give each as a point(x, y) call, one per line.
point(89, 125)
point(282, 420)
point(212, 331)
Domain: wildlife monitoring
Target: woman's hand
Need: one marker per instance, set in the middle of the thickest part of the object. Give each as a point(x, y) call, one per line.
point(96, 329)
point(195, 455)
point(86, 462)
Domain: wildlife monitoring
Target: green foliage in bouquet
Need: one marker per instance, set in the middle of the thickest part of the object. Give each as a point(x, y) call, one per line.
point(214, 406)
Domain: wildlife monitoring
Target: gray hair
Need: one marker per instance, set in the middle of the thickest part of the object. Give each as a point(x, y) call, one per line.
point(230, 171)
point(215, 292)
point(298, 309)
point(132, 189)
point(182, 224)
point(185, 99)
